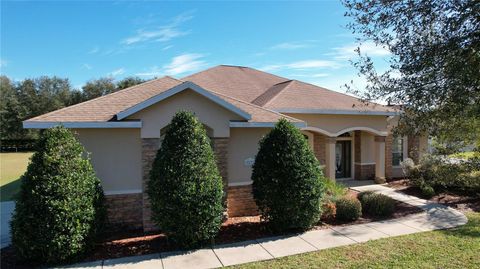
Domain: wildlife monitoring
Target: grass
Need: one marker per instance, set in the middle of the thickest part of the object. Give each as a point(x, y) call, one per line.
point(455, 248)
point(12, 166)
point(464, 155)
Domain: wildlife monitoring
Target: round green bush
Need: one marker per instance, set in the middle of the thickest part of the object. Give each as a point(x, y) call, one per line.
point(376, 204)
point(60, 209)
point(427, 190)
point(185, 186)
point(348, 209)
point(287, 180)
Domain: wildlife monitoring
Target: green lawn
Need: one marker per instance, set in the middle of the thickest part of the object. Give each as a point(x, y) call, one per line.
point(464, 155)
point(12, 166)
point(455, 248)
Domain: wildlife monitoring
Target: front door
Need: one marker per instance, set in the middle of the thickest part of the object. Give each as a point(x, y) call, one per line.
point(343, 159)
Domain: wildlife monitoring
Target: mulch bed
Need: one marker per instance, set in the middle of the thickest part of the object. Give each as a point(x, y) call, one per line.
point(133, 243)
point(461, 202)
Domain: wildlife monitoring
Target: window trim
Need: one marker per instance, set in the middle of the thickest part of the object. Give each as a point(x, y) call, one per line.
point(404, 151)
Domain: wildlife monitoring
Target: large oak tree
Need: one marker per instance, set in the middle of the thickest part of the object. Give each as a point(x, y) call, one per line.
point(434, 68)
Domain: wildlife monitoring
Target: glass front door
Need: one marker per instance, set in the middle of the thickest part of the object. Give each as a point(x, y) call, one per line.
point(343, 159)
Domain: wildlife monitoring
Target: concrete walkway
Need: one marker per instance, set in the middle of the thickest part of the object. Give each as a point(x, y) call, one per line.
point(6, 211)
point(435, 217)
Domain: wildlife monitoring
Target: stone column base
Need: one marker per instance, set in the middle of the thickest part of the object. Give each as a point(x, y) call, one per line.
point(240, 201)
point(364, 171)
point(124, 211)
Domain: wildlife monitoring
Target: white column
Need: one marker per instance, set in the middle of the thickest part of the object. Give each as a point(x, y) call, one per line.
point(380, 159)
point(330, 157)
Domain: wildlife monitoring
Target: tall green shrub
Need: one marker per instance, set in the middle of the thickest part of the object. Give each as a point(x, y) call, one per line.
point(185, 186)
point(60, 209)
point(287, 180)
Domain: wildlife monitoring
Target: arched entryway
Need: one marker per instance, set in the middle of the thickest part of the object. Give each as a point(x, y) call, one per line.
point(350, 153)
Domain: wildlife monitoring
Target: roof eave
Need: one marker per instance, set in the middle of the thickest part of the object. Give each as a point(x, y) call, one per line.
point(336, 112)
point(81, 125)
point(179, 88)
point(241, 124)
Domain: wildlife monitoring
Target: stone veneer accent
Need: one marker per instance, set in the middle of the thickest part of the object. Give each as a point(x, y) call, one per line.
point(150, 147)
point(319, 148)
point(240, 201)
point(364, 172)
point(413, 148)
point(220, 148)
point(124, 211)
point(388, 156)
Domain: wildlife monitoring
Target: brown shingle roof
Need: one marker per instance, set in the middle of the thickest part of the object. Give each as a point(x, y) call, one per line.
point(105, 108)
point(301, 95)
point(239, 82)
point(254, 91)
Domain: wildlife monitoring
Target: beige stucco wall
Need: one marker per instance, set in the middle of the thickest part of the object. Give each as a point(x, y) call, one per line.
point(116, 157)
point(243, 144)
point(367, 149)
point(159, 115)
point(336, 123)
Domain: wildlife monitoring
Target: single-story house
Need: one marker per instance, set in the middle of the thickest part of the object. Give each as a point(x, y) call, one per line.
point(238, 105)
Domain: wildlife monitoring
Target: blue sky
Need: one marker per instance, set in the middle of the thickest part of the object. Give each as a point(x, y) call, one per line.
point(85, 40)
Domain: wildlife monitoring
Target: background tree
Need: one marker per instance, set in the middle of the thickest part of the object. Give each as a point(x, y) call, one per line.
point(185, 187)
point(287, 180)
point(129, 82)
point(98, 87)
point(36, 96)
point(10, 110)
point(434, 69)
point(60, 208)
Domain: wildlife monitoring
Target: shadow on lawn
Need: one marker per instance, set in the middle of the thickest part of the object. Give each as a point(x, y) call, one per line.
point(471, 229)
point(9, 192)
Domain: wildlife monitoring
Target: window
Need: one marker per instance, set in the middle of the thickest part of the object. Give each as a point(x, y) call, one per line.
point(397, 151)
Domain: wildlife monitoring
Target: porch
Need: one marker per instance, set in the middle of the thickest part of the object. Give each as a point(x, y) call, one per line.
point(353, 153)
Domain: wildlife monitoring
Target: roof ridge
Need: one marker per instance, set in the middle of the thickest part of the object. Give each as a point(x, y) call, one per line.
point(241, 101)
point(101, 97)
point(344, 94)
point(250, 104)
point(290, 82)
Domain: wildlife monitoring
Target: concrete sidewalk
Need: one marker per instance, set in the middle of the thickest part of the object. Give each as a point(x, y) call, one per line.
point(435, 217)
point(6, 211)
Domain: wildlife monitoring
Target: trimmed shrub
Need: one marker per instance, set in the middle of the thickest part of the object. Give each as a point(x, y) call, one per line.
point(185, 186)
point(436, 173)
point(332, 191)
point(427, 191)
point(60, 209)
point(329, 211)
point(348, 208)
point(287, 180)
point(376, 204)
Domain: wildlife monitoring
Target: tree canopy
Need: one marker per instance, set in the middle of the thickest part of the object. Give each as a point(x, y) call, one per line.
point(434, 68)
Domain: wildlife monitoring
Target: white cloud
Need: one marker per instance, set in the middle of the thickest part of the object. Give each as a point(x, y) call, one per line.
point(317, 75)
point(167, 47)
point(154, 71)
point(87, 66)
point(3, 63)
point(161, 33)
point(184, 63)
point(116, 72)
point(180, 64)
point(303, 65)
point(369, 48)
point(291, 45)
